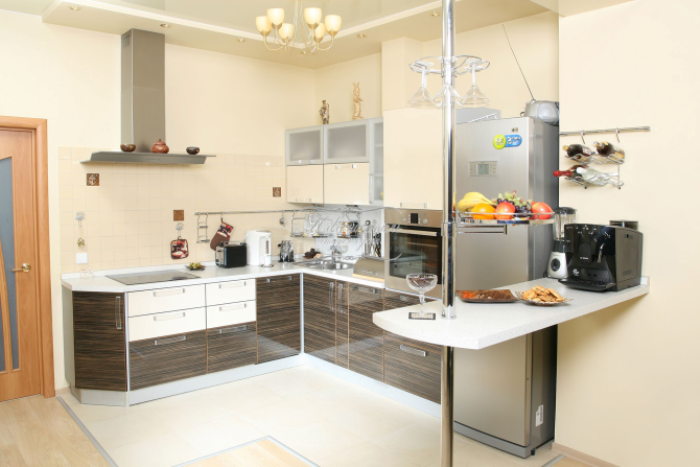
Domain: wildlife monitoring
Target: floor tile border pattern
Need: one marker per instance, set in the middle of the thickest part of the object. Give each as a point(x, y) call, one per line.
point(270, 438)
point(92, 439)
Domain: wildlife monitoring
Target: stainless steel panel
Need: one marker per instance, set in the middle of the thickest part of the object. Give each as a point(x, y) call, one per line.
point(492, 390)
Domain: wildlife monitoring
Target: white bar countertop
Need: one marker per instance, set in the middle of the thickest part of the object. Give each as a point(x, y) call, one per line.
point(480, 325)
point(100, 283)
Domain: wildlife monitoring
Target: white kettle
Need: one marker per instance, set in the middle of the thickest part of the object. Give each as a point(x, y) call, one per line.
point(259, 243)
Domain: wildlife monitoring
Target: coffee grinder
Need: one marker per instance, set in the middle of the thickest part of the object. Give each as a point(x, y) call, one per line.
point(556, 267)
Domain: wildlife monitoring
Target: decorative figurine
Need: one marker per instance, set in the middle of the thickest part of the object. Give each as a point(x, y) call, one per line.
point(159, 147)
point(325, 112)
point(356, 99)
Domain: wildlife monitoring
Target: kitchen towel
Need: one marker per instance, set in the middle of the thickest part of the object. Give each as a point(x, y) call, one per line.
point(223, 235)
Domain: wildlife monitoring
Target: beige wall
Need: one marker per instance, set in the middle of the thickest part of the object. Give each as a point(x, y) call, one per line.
point(334, 84)
point(629, 377)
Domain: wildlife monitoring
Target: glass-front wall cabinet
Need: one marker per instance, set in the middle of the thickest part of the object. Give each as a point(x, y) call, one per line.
point(305, 146)
point(347, 142)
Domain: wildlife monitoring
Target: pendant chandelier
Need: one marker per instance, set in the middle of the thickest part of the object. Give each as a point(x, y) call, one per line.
point(306, 32)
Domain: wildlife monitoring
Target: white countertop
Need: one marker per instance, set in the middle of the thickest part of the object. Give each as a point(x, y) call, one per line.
point(482, 325)
point(212, 273)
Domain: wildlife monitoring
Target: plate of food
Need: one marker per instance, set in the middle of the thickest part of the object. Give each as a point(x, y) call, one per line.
point(487, 296)
point(196, 267)
point(542, 296)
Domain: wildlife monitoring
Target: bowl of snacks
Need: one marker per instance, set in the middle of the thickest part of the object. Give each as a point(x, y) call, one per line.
point(195, 267)
point(542, 296)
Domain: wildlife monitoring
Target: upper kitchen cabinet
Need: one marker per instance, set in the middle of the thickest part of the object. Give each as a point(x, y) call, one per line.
point(305, 184)
point(413, 159)
point(305, 145)
point(346, 142)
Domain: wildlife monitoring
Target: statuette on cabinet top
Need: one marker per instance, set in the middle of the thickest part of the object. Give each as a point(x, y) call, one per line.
point(325, 112)
point(357, 99)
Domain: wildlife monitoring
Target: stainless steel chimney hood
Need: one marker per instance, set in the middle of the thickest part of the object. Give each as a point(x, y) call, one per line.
point(143, 103)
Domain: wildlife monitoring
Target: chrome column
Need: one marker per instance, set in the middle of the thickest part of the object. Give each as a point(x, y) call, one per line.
point(449, 165)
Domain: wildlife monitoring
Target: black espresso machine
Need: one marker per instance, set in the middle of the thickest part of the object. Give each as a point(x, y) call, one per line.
point(602, 257)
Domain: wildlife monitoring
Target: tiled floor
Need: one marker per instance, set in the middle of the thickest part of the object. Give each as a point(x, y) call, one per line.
point(325, 419)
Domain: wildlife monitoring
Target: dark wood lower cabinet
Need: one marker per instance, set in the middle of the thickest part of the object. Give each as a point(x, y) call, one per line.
point(231, 347)
point(319, 317)
point(99, 340)
point(399, 300)
point(278, 302)
point(366, 338)
point(342, 324)
point(166, 359)
point(413, 366)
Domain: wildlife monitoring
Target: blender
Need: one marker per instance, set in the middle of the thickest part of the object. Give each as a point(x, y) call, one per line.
point(556, 267)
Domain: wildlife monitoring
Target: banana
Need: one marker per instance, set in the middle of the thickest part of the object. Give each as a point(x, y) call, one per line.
point(470, 200)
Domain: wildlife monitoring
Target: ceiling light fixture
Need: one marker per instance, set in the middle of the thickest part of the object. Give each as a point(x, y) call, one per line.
point(435, 14)
point(165, 25)
point(74, 7)
point(307, 23)
point(362, 36)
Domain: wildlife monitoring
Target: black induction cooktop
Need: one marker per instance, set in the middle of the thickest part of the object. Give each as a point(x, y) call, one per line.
point(150, 277)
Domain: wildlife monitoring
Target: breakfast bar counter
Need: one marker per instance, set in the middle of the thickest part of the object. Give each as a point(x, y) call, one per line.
point(481, 325)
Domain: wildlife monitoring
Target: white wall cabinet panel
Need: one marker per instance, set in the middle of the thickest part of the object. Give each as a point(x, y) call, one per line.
point(413, 159)
point(305, 184)
point(346, 184)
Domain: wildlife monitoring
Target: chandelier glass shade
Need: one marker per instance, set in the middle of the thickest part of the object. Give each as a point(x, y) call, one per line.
point(306, 32)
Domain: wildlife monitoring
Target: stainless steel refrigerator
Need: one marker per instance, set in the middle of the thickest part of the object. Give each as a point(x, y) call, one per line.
point(505, 394)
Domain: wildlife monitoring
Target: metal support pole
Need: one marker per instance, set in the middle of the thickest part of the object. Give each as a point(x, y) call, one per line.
point(449, 164)
point(448, 386)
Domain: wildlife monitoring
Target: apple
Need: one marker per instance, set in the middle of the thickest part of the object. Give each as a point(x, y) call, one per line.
point(505, 207)
point(541, 211)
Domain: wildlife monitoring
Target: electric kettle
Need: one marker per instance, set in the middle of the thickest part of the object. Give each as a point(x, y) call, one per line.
point(259, 247)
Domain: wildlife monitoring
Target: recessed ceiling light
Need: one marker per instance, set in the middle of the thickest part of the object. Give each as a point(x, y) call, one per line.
point(435, 14)
point(74, 7)
point(165, 25)
point(362, 36)
point(241, 39)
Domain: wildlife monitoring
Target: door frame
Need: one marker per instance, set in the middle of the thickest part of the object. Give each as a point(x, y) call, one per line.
point(43, 269)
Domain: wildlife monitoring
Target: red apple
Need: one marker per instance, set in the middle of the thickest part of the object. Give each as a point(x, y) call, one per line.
point(505, 207)
point(541, 211)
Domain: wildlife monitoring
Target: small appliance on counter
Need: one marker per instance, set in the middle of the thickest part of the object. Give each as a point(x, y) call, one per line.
point(603, 257)
point(231, 255)
point(286, 251)
point(369, 268)
point(556, 268)
point(259, 247)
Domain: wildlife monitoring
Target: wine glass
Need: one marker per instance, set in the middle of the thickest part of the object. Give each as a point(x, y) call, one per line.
point(422, 283)
point(421, 99)
point(474, 97)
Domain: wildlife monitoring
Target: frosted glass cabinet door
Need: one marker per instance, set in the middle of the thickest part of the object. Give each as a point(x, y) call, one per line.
point(305, 146)
point(376, 189)
point(305, 184)
point(346, 142)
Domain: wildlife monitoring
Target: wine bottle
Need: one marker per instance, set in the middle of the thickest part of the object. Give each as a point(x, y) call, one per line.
point(609, 150)
point(595, 177)
point(578, 152)
point(571, 173)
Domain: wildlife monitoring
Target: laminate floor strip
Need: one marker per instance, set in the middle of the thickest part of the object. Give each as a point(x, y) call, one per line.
point(266, 452)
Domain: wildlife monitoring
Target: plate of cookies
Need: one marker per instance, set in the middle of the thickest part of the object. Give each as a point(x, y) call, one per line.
point(542, 296)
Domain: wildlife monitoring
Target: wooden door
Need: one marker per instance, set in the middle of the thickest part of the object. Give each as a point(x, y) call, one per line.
point(366, 338)
point(20, 358)
point(319, 317)
point(278, 310)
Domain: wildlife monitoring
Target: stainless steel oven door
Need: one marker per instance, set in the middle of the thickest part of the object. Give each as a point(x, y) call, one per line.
point(418, 250)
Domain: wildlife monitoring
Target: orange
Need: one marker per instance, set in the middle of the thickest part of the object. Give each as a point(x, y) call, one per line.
point(485, 209)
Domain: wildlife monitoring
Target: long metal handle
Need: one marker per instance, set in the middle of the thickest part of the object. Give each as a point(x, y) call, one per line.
point(233, 329)
point(360, 288)
point(118, 311)
point(425, 233)
point(289, 278)
point(169, 292)
point(238, 306)
point(406, 298)
point(340, 294)
point(331, 296)
point(369, 187)
point(169, 317)
point(170, 340)
point(26, 267)
point(412, 351)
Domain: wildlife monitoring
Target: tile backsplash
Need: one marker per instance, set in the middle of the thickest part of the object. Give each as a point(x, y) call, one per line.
point(129, 216)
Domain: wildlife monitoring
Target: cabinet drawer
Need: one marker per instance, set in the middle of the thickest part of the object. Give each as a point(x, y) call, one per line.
point(231, 347)
point(230, 314)
point(175, 298)
point(412, 366)
point(166, 324)
point(166, 359)
point(230, 292)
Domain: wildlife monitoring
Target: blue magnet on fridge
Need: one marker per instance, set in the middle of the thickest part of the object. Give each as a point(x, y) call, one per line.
point(513, 141)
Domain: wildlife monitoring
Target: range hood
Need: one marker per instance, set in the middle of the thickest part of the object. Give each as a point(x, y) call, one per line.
point(143, 103)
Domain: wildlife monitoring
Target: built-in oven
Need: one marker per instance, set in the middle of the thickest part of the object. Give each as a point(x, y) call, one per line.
point(414, 242)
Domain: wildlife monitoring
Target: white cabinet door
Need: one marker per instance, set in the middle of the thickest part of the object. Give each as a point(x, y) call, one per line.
point(346, 184)
point(413, 159)
point(305, 184)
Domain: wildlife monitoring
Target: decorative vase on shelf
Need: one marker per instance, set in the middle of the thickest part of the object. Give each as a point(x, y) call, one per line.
point(160, 147)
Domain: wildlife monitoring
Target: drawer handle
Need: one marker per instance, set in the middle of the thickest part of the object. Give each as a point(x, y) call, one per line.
point(170, 340)
point(232, 285)
point(238, 306)
point(406, 298)
point(168, 293)
point(118, 312)
point(233, 329)
point(412, 351)
point(169, 317)
point(289, 278)
point(364, 289)
point(340, 300)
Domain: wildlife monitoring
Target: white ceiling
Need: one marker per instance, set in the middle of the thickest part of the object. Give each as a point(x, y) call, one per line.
point(228, 26)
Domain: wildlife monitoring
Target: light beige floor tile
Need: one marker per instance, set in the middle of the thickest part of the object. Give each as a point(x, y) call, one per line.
point(191, 411)
point(541, 457)
point(162, 451)
point(279, 416)
point(333, 400)
point(240, 398)
point(297, 381)
point(94, 413)
point(318, 440)
point(218, 435)
point(368, 455)
point(126, 429)
point(371, 423)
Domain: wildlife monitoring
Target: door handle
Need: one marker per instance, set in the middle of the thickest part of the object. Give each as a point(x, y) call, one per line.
point(118, 311)
point(26, 267)
point(340, 302)
point(331, 298)
point(412, 351)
